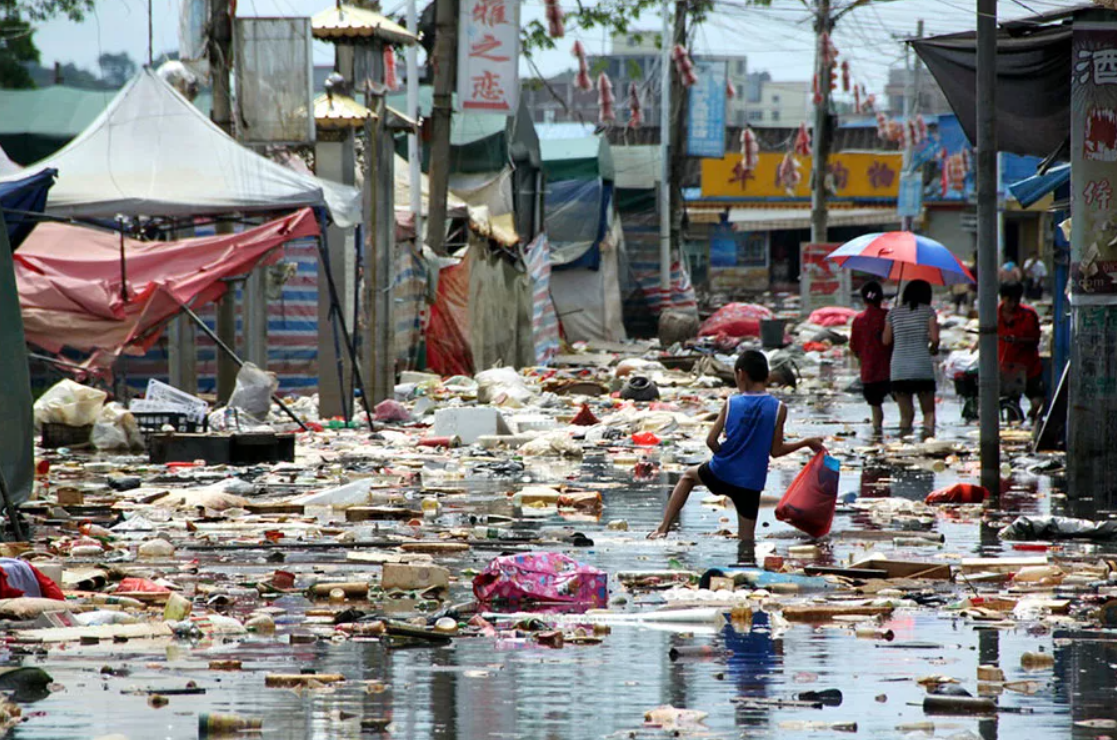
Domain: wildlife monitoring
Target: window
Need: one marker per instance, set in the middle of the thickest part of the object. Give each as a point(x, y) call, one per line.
point(775, 115)
point(775, 100)
point(740, 117)
point(756, 115)
point(752, 249)
point(631, 42)
point(741, 67)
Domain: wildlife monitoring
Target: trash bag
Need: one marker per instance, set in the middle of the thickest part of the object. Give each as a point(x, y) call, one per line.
point(502, 386)
point(116, 429)
point(541, 577)
point(391, 410)
point(832, 316)
point(959, 493)
point(640, 388)
point(676, 327)
point(735, 320)
point(1059, 528)
point(253, 391)
point(809, 502)
point(70, 403)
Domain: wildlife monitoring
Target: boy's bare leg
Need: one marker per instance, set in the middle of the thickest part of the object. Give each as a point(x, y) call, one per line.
point(746, 550)
point(878, 419)
point(678, 498)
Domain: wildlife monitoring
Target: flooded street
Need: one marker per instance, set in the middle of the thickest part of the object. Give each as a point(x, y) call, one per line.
point(509, 686)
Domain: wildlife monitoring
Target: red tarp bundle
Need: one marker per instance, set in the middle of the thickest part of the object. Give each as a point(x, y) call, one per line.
point(69, 281)
point(735, 320)
point(832, 316)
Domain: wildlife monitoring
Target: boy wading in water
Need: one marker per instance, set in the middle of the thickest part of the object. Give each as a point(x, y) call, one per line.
point(753, 425)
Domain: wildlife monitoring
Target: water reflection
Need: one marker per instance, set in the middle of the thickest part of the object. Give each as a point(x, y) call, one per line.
point(753, 656)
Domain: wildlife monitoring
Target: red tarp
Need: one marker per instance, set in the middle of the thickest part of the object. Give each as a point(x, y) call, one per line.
point(69, 280)
point(448, 348)
point(735, 320)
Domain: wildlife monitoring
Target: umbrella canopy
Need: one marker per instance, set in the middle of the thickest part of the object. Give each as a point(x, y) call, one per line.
point(902, 255)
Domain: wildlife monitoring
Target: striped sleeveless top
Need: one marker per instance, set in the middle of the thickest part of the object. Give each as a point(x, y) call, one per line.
point(911, 338)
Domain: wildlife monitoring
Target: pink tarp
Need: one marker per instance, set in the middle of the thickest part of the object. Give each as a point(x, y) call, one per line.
point(69, 281)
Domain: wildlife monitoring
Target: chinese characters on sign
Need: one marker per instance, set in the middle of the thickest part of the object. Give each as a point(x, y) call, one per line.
point(706, 110)
point(1093, 272)
point(851, 175)
point(488, 55)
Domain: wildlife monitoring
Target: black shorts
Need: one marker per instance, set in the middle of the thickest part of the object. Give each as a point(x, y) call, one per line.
point(1035, 388)
point(913, 387)
point(746, 500)
point(875, 393)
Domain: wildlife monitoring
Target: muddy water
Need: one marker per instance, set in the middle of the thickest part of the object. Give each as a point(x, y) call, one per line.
point(479, 688)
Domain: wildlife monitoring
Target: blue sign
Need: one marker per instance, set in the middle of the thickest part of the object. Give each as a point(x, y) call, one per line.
point(910, 201)
point(706, 113)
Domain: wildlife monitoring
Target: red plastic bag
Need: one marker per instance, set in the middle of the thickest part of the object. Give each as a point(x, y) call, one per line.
point(735, 320)
point(140, 585)
point(959, 493)
point(645, 439)
point(832, 316)
point(809, 502)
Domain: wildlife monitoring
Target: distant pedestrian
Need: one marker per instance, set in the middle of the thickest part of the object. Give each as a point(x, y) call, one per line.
point(1035, 276)
point(913, 332)
point(1011, 273)
point(753, 424)
point(1018, 335)
point(866, 341)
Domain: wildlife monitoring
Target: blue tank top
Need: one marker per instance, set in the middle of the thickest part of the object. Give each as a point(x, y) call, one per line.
point(750, 424)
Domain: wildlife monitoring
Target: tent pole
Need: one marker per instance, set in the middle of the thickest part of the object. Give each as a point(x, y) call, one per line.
point(240, 363)
point(350, 344)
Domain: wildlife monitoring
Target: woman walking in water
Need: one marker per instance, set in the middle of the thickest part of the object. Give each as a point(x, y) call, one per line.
point(913, 332)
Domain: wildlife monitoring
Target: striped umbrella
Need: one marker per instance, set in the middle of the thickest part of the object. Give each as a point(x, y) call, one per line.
point(902, 255)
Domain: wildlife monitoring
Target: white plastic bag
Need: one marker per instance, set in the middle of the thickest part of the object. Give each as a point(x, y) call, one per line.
point(253, 391)
point(67, 402)
point(502, 386)
point(116, 429)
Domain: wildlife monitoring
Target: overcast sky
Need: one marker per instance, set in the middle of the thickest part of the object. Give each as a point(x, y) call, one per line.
point(777, 38)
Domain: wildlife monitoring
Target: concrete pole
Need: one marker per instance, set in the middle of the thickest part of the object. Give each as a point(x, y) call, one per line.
point(820, 142)
point(333, 160)
point(220, 60)
point(665, 153)
point(256, 317)
point(988, 368)
point(414, 156)
point(911, 109)
point(445, 52)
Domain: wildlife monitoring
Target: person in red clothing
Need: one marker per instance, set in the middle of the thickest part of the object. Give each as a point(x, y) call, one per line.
point(875, 356)
point(1018, 334)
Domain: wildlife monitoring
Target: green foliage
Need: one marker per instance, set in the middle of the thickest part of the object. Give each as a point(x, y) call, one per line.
point(116, 69)
point(16, 50)
point(44, 10)
point(613, 16)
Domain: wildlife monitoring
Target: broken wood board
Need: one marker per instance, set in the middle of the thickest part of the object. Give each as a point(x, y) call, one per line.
point(1000, 565)
point(275, 507)
point(906, 568)
point(435, 548)
point(374, 513)
point(382, 558)
point(103, 632)
point(826, 612)
point(294, 680)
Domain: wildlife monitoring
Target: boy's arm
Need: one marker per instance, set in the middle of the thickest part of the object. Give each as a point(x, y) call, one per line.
point(780, 447)
point(713, 439)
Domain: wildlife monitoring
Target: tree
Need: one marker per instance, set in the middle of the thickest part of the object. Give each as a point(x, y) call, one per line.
point(116, 69)
point(17, 46)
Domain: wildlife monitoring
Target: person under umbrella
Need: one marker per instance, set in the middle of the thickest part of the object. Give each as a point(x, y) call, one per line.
point(866, 342)
point(912, 330)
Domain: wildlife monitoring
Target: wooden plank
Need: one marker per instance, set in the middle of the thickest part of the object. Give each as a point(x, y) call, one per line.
point(862, 573)
point(435, 548)
point(826, 612)
point(373, 513)
point(275, 507)
point(1000, 565)
point(907, 568)
point(294, 680)
point(103, 632)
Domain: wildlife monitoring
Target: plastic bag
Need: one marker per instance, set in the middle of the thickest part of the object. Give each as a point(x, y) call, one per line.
point(254, 390)
point(735, 320)
point(1059, 528)
point(116, 429)
point(809, 502)
point(959, 493)
point(502, 386)
point(67, 402)
point(542, 576)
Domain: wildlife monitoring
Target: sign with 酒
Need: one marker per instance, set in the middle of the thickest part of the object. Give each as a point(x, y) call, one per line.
point(1093, 140)
point(706, 111)
point(489, 56)
point(850, 174)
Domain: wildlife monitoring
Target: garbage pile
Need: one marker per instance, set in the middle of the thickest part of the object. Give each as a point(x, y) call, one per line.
point(509, 510)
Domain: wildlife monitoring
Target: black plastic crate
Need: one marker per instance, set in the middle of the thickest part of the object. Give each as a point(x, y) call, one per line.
point(63, 435)
point(152, 422)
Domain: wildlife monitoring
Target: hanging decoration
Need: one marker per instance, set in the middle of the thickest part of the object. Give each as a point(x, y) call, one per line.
point(845, 76)
point(787, 174)
point(684, 65)
point(857, 100)
point(605, 100)
point(555, 19)
point(391, 79)
point(750, 150)
point(803, 141)
point(635, 110)
point(921, 128)
point(582, 79)
point(816, 93)
point(730, 90)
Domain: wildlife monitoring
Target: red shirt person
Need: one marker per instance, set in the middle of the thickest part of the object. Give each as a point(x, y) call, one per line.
point(867, 345)
point(1018, 335)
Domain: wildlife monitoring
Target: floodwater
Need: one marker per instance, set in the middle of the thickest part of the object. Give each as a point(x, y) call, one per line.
point(485, 688)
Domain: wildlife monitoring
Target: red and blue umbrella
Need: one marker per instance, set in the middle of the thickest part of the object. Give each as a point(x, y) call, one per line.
point(902, 255)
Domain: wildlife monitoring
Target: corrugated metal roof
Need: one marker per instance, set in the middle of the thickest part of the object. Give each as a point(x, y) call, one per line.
point(348, 23)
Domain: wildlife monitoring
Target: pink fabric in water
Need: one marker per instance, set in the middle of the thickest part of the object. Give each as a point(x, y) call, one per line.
point(542, 576)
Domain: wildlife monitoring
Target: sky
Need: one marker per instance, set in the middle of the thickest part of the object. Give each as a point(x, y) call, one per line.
point(777, 38)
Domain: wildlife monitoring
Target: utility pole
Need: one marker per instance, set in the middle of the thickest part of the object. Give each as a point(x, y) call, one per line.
point(988, 368)
point(445, 54)
point(220, 61)
point(820, 144)
point(415, 165)
point(677, 148)
point(911, 109)
point(665, 152)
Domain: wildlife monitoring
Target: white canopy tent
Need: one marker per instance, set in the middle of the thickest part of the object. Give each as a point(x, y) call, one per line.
point(152, 153)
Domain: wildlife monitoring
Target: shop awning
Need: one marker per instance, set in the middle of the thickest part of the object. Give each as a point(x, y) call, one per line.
point(1032, 189)
point(786, 219)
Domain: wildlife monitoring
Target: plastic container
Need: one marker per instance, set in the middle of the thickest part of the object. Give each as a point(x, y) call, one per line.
point(772, 333)
point(226, 725)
